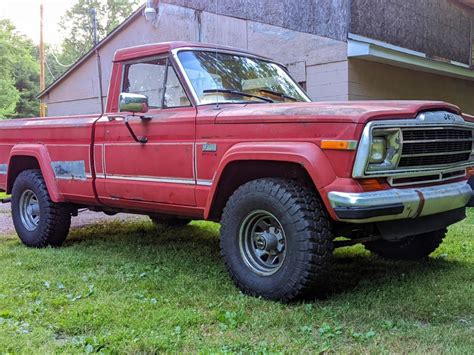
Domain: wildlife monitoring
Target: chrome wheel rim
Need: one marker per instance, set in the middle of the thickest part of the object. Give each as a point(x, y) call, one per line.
point(262, 243)
point(29, 210)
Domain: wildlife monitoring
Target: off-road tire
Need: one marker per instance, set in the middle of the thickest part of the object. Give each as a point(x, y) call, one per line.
point(411, 248)
point(54, 220)
point(308, 235)
point(169, 222)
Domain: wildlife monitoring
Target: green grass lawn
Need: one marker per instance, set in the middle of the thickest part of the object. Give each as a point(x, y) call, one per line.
point(131, 288)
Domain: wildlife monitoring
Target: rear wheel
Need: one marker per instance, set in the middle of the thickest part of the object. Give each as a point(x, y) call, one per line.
point(39, 222)
point(276, 239)
point(411, 248)
point(169, 222)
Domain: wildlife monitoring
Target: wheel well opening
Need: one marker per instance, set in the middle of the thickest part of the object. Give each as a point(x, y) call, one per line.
point(17, 165)
point(240, 172)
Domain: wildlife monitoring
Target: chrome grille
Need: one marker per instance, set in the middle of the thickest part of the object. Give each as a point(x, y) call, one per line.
point(435, 146)
point(436, 134)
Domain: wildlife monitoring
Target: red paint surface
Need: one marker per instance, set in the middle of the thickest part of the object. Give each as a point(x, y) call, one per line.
point(172, 173)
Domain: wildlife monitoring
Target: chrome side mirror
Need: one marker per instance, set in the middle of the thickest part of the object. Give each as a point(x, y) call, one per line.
point(133, 103)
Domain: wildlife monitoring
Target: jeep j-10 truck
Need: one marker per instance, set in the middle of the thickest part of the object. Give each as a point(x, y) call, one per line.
point(198, 132)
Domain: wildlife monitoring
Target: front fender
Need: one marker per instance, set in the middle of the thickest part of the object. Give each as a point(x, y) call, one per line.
point(308, 155)
point(40, 153)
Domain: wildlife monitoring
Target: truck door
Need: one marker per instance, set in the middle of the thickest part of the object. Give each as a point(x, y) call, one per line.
point(161, 170)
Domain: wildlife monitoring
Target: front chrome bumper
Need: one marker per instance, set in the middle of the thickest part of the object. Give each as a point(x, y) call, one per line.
point(396, 204)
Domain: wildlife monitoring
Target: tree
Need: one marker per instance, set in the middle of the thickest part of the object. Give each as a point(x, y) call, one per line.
point(78, 26)
point(19, 74)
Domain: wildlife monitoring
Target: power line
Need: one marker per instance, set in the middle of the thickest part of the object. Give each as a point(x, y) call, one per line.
point(59, 63)
point(49, 69)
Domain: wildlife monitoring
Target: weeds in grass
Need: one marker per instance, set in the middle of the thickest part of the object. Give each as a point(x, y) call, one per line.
point(128, 287)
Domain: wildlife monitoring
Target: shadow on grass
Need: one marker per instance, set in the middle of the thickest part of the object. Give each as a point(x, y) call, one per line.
point(197, 245)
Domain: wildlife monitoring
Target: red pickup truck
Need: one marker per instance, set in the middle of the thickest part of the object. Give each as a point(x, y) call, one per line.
point(197, 132)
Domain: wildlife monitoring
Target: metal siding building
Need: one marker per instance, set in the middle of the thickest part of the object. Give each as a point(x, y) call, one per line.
point(338, 49)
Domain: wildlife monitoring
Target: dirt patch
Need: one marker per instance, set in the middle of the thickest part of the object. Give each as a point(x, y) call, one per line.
point(84, 219)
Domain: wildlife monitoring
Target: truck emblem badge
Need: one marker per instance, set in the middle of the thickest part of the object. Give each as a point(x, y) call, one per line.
point(209, 147)
point(449, 117)
point(440, 116)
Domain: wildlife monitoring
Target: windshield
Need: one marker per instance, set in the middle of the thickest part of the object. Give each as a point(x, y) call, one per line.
point(234, 78)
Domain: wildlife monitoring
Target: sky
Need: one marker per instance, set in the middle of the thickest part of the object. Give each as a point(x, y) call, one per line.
point(25, 16)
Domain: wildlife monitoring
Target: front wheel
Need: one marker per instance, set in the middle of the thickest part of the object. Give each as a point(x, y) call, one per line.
point(411, 248)
point(39, 222)
point(276, 239)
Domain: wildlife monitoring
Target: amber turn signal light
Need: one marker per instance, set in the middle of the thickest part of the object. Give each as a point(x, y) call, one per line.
point(373, 184)
point(339, 145)
point(470, 172)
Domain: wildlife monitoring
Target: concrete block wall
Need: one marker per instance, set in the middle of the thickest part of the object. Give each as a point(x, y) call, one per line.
point(328, 82)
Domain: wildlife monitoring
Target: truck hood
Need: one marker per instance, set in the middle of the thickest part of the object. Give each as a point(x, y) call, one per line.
point(357, 112)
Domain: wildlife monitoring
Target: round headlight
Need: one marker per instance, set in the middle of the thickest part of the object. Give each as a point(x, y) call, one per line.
point(378, 151)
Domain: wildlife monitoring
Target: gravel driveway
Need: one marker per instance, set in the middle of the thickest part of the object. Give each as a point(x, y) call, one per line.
point(84, 218)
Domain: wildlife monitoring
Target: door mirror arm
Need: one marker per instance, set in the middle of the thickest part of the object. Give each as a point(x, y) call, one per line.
point(126, 120)
point(142, 140)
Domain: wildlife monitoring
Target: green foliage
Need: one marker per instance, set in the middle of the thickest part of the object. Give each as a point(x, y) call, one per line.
point(9, 97)
point(127, 287)
point(19, 74)
point(78, 26)
point(19, 67)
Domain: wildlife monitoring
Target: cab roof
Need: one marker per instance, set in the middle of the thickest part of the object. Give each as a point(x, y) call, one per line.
point(165, 47)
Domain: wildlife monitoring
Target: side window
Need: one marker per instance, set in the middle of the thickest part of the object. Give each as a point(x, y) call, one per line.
point(175, 96)
point(146, 78)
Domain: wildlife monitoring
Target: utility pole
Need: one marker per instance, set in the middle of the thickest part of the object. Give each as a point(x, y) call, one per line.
point(41, 58)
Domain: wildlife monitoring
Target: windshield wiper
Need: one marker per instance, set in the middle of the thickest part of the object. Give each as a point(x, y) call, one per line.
point(280, 94)
point(236, 92)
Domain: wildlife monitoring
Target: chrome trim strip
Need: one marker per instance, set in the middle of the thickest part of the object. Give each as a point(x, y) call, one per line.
point(103, 160)
point(195, 164)
point(127, 144)
point(437, 199)
point(435, 154)
point(165, 180)
point(438, 140)
point(462, 173)
point(69, 170)
point(3, 169)
point(168, 180)
point(204, 182)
